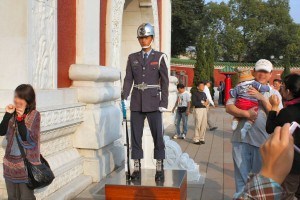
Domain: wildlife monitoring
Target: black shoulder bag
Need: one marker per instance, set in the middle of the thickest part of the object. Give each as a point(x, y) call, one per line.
point(39, 176)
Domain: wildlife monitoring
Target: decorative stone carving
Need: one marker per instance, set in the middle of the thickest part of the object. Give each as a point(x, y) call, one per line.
point(51, 119)
point(57, 145)
point(43, 43)
point(116, 32)
point(175, 159)
point(61, 180)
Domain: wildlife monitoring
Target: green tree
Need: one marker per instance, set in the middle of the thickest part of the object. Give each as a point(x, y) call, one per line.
point(210, 56)
point(200, 68)
point(286, 65)
point(186, 24)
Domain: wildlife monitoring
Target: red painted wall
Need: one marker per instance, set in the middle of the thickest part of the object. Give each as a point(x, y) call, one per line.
point(103, 9)
point(66, 30)
point(159, 8)
point(220, 77)
point(188, 71)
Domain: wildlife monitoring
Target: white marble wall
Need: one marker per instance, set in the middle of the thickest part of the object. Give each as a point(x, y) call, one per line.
point(13, 40)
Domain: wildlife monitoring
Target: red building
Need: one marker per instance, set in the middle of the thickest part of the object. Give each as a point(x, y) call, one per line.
point(185, 73)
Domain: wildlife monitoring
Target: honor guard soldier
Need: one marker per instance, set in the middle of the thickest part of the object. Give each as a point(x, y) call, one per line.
point(148, 73)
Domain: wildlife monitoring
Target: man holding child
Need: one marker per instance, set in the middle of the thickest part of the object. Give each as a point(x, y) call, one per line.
point(246, 155)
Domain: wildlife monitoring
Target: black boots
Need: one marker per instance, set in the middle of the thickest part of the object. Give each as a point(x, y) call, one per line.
point(136, 174)
point(160, 174)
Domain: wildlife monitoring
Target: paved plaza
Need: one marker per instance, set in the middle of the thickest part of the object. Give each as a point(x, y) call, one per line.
point(214, 158)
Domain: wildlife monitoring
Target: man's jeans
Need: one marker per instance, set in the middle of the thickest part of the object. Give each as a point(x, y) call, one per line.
point(246, 159)
point(181, 116)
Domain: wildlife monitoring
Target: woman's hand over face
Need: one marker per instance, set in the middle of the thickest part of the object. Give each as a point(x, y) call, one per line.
point(20, 109)
point(10, 108)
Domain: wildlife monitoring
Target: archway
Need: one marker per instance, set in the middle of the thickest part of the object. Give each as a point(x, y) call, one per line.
point(135, 13)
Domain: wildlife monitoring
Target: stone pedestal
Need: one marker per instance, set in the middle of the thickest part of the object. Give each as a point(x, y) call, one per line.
point(98, 137)
point(173, 187)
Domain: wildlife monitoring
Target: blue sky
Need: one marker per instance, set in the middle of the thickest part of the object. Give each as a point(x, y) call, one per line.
point(294, 4)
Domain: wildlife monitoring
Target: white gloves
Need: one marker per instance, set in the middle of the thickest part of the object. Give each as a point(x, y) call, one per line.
point(162, 109)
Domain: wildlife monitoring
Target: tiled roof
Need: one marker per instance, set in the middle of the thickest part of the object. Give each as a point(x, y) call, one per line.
point(228, 69)
point(220, 65)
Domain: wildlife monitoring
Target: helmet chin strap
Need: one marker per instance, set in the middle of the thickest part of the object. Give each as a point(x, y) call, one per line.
point(146, 47)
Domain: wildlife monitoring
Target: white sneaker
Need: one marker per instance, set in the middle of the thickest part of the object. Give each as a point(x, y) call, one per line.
point(175, 136)
point(183, 136)
point(247, 126)
point(243, 133)
point(234, 124)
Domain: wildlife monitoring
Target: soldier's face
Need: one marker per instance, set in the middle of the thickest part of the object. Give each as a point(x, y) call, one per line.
point(145, 41)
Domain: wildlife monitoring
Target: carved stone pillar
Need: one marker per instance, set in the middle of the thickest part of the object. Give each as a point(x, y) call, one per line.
point(98, 137)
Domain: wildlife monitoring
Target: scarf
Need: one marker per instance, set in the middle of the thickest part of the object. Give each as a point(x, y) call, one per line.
point(292, 102)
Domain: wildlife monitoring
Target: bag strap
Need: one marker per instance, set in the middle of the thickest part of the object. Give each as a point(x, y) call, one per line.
point(19, 143)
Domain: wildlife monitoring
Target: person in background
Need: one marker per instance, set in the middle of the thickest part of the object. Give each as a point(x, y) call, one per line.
point(20, 122)
point(211, 125)
point(200, 102)
point(289, 114)
point(245, 152)
point(277, 84)
point(183, 110)
point(277, 156)
point(221, 88)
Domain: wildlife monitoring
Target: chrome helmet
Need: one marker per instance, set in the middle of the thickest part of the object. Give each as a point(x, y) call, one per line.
point(145, 29)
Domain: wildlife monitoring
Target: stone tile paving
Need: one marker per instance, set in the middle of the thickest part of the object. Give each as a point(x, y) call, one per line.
point(214, 158)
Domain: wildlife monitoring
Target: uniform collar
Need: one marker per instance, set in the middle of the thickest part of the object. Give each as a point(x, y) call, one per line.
point(149, 52)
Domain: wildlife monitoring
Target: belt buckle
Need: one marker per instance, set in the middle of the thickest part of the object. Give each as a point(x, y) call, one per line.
point(142, 86)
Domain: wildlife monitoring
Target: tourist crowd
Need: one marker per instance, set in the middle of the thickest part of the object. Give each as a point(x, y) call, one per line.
point(265, 164)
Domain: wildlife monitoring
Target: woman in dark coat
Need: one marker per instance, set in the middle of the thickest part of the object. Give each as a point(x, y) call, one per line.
point(291, 113)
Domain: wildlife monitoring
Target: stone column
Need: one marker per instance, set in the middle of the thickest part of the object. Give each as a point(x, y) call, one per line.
point(98, 137)
point(42, 42)
point(88, 32)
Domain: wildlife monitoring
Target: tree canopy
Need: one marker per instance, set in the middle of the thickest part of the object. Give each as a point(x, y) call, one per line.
point(242, 30)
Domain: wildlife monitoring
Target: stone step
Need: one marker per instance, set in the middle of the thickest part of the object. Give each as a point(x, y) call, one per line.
point(72, 189)
point(67, 165)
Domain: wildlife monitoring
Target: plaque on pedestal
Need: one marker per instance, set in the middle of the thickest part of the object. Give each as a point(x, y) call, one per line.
point(173, 187)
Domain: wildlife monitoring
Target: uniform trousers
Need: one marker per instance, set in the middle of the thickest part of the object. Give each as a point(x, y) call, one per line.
point(19, 191)
point(137, 126)
point(200, 115)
